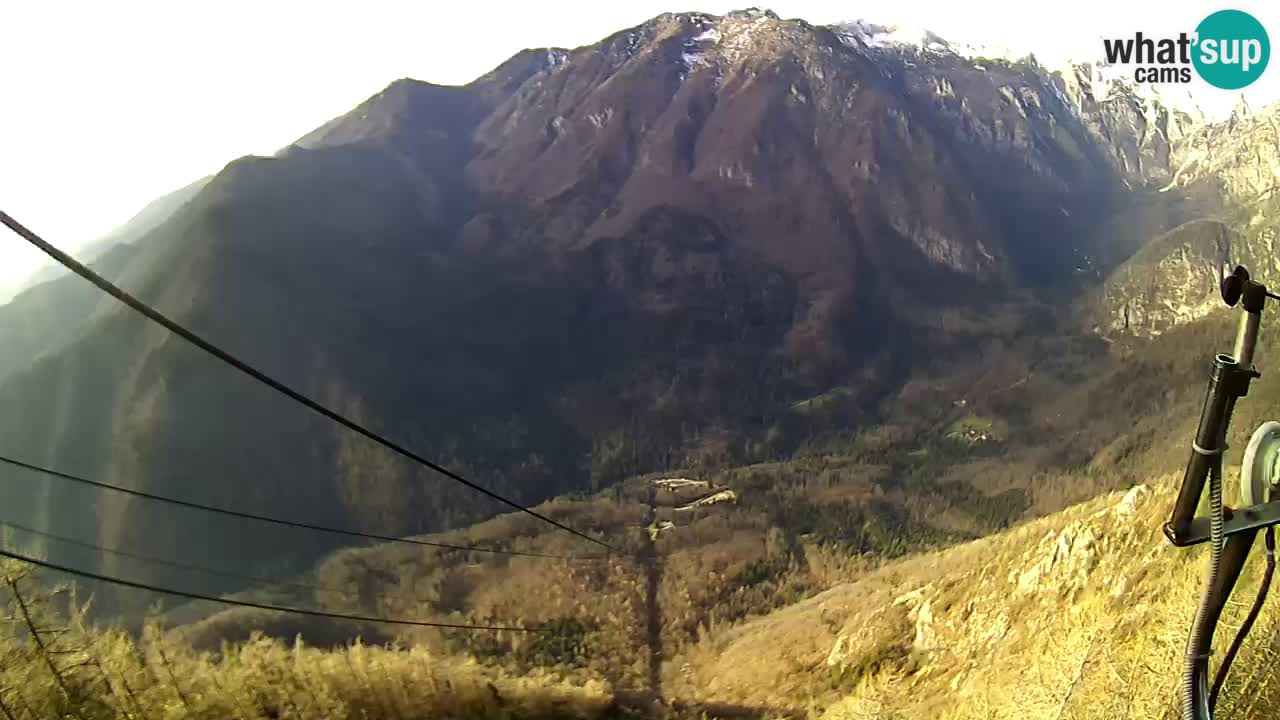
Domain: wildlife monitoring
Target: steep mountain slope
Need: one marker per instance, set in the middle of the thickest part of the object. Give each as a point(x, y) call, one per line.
point(584, 265)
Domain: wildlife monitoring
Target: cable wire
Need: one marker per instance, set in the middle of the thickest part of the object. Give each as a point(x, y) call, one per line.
point(265, 582)
point(278, 521)
point(156, 316)
point(256, 579)
point(257, 606)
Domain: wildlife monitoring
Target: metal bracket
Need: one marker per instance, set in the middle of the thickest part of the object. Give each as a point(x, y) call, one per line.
point(1237, 521)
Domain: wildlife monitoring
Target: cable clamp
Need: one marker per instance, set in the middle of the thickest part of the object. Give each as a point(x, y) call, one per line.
point(1203, 451)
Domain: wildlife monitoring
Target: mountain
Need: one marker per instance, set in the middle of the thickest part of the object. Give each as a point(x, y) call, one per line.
point(700, 241)
point(1168, 282)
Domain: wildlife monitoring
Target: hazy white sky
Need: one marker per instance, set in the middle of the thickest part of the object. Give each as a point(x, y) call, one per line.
point(107, 105)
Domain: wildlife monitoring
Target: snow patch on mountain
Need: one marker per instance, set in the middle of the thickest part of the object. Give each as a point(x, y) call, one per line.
point(695, 49)
point(709, 35)
point(694, 58)
point(863, 33)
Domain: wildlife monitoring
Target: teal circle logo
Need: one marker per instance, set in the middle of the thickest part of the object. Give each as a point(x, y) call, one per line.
point(1232, 49)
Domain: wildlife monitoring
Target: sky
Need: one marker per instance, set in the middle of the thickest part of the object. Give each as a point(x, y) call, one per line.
point(108, 105)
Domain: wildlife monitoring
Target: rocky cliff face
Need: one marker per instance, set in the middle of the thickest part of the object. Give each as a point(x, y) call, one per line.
point(1136, 129)
point(1159, 268)
point(1173, 280)
point(1240, 155)
point(1074, 144)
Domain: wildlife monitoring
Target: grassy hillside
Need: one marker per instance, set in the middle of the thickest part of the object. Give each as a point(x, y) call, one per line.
point(1081, 614)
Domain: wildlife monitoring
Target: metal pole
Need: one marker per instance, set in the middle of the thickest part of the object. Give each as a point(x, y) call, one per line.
point(1214, 416)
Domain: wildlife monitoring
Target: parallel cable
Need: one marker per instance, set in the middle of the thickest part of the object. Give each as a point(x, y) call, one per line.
point(257, 606)
point(156, 316)
point(278, 521)
point(256, 579)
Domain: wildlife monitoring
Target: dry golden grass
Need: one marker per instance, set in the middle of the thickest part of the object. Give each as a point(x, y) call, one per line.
point(595, 606)
point(1082, 614)
point(67, 669)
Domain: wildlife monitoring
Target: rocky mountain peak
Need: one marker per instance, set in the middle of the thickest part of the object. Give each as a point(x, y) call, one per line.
point(752, 13)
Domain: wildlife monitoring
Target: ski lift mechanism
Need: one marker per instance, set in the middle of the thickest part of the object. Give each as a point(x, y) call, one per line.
point(1230, 531)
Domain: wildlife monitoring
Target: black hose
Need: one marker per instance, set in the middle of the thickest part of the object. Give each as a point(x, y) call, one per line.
point(1249, 620)
point(1195, 669)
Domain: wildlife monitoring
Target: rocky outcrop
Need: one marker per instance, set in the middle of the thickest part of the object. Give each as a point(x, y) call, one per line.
point(887, 635)
point(964, 617)
point(1172, 281)
point(1137, 129)
point(1241, 155)
point(1037, 622)
point(1087, 124)
point(1066, 558)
